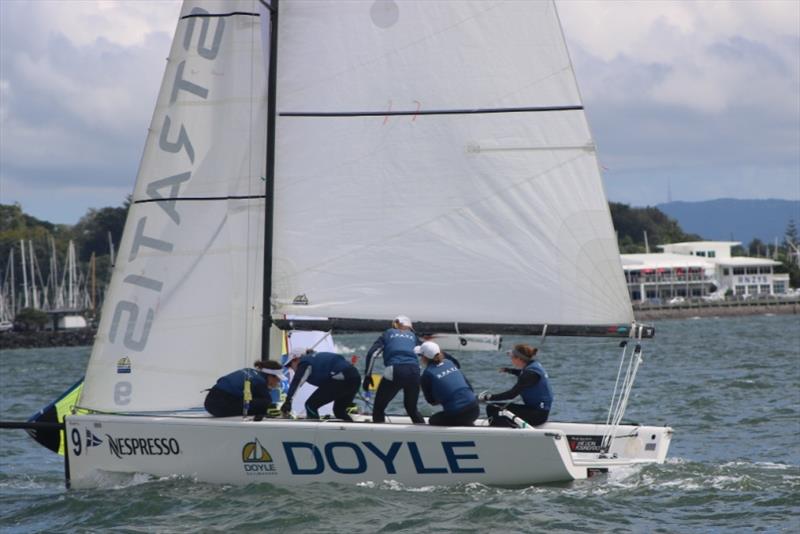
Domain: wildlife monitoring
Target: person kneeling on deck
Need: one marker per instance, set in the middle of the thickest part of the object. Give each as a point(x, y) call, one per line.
point(401, 370)
point(443, 383)
point(336, 380)
point(227, 397)
point(532, 385)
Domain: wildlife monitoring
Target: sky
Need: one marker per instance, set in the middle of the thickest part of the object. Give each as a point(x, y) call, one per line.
point(686, 100)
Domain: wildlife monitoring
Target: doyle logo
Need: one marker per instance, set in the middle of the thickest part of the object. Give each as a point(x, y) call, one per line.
point(92, 440)
point(120, 447)
point(256, 459)
point(350, 458)
point(124, 366)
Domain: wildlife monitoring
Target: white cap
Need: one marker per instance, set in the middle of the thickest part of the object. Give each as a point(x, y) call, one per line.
point(294, 354)
point(429, 349)
point(273, 372)
point(402, 320)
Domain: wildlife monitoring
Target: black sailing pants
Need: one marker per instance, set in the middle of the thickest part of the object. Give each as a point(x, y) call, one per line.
point(222, 404)
point(341, 392)
point(465, 417)
point(532, 416)
point(405, 377)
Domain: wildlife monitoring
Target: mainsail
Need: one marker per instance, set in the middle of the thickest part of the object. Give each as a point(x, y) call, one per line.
point(184, 305)
point(433, 158)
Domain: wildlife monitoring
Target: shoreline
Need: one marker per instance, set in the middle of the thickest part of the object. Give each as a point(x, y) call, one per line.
point(85, 337)
point(737, 308)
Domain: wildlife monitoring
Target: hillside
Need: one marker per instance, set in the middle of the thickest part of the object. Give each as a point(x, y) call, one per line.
point(727, 219)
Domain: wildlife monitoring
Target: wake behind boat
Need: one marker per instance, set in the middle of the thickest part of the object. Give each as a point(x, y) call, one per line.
point(321, 166)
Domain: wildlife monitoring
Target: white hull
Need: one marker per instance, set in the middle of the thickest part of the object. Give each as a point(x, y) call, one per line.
point(239, 451)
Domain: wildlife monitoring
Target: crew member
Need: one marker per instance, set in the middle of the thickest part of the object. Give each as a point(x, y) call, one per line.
point(401, 369)
point(336, 380)
point(532, 385)
point(443, 383)
point(226, 397)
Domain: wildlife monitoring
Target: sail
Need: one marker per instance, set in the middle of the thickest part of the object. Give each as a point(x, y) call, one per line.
point(183, 307)
point(433, 159)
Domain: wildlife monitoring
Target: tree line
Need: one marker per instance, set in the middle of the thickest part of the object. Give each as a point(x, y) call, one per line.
point(91, 236)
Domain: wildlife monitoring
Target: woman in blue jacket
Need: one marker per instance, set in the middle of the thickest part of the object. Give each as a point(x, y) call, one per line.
point(226, 397)
point(400, 370)
point(443, 383)
point(532, 385)
point(336, 380)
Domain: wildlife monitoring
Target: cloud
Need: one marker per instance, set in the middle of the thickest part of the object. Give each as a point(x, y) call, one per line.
point(696, 93)
point(78, 84)
point(704, 95)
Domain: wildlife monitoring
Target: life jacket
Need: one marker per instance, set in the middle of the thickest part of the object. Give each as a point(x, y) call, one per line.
point(233, 383)
point(449, 386)
point(541, 395)
point(398, 347)
point(323, 366)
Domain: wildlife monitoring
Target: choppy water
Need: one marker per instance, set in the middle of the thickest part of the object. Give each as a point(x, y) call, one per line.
point(729, 387)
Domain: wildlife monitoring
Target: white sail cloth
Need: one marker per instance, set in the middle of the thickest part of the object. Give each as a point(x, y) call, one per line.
point(472, 207)
point(184, 305)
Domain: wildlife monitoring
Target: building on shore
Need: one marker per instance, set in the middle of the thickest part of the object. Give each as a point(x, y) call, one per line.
point(700, 269)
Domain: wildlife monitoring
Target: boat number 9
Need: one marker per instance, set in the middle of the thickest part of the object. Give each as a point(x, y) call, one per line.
point(122, 393)
point(75, 436)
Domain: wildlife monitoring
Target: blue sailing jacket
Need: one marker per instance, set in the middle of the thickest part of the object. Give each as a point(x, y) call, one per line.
point(233, 383)
point(444, 383)
point(398, 347)
point(539, 395)
point(318, 368)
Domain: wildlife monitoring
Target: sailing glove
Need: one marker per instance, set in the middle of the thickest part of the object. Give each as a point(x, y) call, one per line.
point(286, 407)
point(367, 382)
point(484, 396)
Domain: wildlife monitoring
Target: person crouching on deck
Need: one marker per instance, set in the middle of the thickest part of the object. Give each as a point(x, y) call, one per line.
point(336, 380)
point(401, 370)
point(443, 383)
point(532, 385)
point(226, 397)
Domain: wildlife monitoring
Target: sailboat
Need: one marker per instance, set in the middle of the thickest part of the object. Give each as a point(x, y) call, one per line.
point(324, 166)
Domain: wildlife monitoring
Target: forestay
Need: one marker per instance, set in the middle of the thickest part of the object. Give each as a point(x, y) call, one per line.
point(433, 158)
point(184, 305)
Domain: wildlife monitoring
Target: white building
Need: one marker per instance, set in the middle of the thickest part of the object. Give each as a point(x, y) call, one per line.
point(698, 269)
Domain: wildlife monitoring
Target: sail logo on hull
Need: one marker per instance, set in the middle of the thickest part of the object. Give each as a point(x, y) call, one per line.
point(92, 440)
point(257, 460)
point(124, 365)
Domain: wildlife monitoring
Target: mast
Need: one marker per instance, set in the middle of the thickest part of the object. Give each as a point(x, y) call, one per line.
point(34, 293)
point(13, 286)
point(24, 273)
point(269, 199)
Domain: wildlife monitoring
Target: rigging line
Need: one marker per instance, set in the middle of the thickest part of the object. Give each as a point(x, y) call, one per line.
point(218, 15)
point(199, 199)
point(387, 113)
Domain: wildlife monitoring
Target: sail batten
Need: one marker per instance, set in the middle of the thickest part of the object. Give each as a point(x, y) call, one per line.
point(398, 113)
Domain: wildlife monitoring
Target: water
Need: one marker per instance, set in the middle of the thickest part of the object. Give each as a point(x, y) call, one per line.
point(729, 387)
